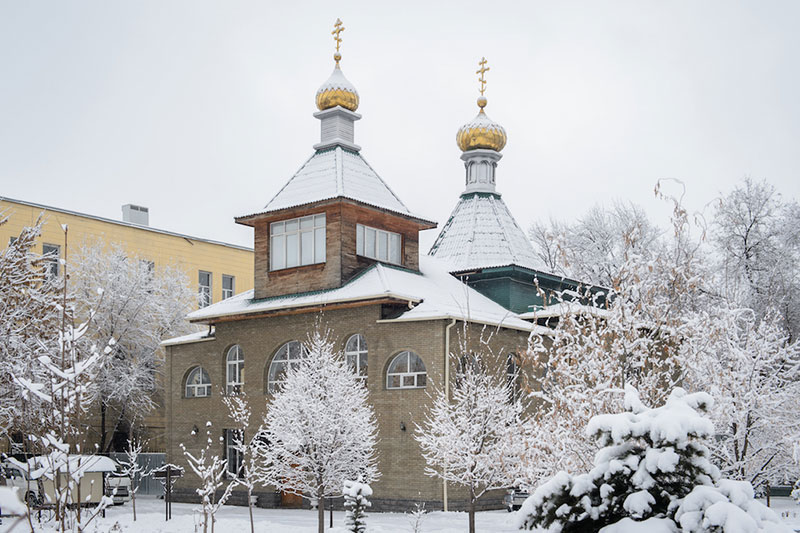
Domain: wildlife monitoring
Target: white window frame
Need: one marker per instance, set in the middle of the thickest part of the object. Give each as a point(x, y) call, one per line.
point(369, 241)
point(234, 370)
point(53, 259)
point(204, 291)
point(512, 377)
point(289, 354)
point(415, 377)
point(198, 390)
point(354, 348)
point(227, 293)
point(303, 233)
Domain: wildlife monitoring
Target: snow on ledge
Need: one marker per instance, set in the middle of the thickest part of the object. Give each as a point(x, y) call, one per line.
point(198, 336)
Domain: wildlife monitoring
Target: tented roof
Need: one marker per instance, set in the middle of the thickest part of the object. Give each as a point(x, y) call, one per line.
point(337, 173)
point(482, 233)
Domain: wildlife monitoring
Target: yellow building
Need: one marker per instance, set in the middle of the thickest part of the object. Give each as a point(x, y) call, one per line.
point(205, 261)
point(216, 270)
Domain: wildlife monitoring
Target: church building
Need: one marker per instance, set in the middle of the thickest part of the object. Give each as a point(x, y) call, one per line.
point(336, 242)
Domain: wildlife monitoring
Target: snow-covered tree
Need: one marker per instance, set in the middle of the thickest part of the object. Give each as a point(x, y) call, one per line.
point(31, 305)
point(141, 306)
point(752, 371)
point(652, 473)
point(593, 249)
point(211, 469)
point(758, 252)
point(249, 444)
point(58, 379)
point(320, 427)
point(356, 503)
point(633, 335)
point(474, 438)
point(132, 468)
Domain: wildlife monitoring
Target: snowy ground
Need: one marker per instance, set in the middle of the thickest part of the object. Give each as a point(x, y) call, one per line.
point(232, 519)
point(150, 513)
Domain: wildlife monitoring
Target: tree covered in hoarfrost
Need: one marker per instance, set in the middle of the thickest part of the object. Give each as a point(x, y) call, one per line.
point(250, 446)
point(653, 473)
point(634, 337)
point(320, 427)
point(594, 248)
point(52, 377)
point(475, 438)
point(141, 306)
point(752, 371)
point(757, 247)
point(30, 319)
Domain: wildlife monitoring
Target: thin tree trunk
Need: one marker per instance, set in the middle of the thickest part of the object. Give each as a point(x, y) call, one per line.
point(133, 501)
point(472, 513)
point(250, 505)
point(321, 514)
point(102, 424)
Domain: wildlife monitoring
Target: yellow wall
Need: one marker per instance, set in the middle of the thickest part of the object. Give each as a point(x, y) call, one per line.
point(189, 253)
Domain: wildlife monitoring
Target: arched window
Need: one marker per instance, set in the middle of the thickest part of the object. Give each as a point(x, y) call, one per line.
point(234, 370)
point(198, 384)
point(406, 371)
point(289, 354)
point(355, 352)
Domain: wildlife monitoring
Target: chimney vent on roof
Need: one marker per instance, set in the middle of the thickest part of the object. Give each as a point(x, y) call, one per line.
point(136, 214)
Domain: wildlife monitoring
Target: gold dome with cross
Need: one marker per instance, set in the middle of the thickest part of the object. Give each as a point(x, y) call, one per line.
point(337, 91)
point(482, 132)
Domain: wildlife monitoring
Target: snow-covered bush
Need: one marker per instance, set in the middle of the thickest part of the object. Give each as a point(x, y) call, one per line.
point(356, 502)
point(652, 473)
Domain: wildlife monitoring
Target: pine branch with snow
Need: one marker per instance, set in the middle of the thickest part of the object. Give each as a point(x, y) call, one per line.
point(653, 471)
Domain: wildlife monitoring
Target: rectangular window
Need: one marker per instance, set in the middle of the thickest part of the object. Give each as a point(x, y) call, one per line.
point(204, 288)
point(51, 252)
point(233, 454)
point(227, 286)
point(297, 242)
point(378, 244)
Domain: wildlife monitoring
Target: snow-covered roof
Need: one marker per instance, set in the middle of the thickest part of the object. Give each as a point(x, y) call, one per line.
point(197, 336)
point(482, 233)
point(433, 293)
point(337, 173)
point(564, 308)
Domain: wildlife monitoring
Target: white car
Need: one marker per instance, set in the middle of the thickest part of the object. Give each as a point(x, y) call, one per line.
point(15, 474)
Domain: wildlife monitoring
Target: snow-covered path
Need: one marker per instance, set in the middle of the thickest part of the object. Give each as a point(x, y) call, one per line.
point(232, 519)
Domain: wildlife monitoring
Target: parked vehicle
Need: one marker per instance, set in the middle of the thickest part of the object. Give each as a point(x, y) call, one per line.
point(118, 485)
point(514, 499)
point(99, 476)
point(15, 474)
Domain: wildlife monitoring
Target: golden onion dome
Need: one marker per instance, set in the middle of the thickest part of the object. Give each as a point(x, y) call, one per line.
point(337, 91)
point(481, 132)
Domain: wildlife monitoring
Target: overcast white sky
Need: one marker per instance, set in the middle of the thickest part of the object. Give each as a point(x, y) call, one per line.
point(202, 110)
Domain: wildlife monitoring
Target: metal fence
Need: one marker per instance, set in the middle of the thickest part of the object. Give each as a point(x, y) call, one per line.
point(147, 461)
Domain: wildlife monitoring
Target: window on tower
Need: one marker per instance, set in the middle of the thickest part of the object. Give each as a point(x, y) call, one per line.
point(378, 244)
point(297, 242)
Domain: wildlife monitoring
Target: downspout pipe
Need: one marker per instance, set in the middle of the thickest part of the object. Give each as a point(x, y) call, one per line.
point(446, 389)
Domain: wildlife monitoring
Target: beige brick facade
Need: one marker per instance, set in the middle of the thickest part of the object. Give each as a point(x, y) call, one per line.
point(401, 465)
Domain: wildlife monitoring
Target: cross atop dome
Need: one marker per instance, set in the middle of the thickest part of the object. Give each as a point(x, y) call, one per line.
point(482, 132)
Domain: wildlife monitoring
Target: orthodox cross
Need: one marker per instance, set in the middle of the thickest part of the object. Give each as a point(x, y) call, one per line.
point(482, 71)
point(338, 28)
